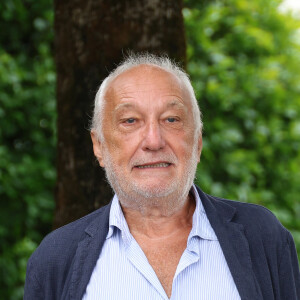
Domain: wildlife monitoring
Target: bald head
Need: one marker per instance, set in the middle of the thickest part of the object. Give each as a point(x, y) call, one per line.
point(149, 63)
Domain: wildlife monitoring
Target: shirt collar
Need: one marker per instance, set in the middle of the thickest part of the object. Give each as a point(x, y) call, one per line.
point(201, 226)
point(118, 221)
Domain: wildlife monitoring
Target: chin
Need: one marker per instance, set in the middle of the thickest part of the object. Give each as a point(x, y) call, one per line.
point(154, 191)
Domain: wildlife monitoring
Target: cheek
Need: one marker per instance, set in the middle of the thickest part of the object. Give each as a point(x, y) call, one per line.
point(185, 147)
point(122, 148)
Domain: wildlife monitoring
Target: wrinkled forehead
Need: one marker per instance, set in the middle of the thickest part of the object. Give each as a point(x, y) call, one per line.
point(145, 78)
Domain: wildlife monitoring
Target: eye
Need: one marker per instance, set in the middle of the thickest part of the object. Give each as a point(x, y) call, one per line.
point(175, 122)
point(171, 120)
point(130, 121)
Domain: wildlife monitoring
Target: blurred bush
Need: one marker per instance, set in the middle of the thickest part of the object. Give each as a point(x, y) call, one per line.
point(244, 59)
point(27, 139)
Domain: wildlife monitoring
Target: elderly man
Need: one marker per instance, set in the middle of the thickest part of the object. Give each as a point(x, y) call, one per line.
point(161, 237)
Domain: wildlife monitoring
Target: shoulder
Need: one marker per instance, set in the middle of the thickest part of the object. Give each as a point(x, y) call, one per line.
point(252, 233)
point(257, 220)
point(49, 268)
point(59, 246)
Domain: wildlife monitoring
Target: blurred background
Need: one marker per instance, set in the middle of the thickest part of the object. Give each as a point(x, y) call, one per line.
point(244, 61)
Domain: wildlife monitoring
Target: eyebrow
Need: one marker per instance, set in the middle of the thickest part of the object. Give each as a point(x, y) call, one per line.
point(175, 103)
point(124, 105)
point(171, 104)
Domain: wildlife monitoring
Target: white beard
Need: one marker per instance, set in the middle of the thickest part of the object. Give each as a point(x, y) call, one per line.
point(133, 195)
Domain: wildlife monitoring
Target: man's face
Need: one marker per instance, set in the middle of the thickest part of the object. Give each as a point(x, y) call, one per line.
point(149, 148)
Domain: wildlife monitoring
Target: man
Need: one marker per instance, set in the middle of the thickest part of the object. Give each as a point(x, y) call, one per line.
point(161, 237)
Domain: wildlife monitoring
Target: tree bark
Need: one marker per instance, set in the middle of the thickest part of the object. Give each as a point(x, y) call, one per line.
point(91, 37)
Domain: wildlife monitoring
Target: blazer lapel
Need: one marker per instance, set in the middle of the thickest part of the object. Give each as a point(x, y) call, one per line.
point(87, 254)
point(234, 244)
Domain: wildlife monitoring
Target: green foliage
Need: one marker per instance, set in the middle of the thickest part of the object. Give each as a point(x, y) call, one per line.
point(244, 59)
point(27, 140)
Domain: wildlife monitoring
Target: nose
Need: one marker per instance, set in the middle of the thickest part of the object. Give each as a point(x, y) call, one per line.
point(153, 139)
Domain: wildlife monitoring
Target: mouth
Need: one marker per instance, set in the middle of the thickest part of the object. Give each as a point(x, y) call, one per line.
point(154, 165)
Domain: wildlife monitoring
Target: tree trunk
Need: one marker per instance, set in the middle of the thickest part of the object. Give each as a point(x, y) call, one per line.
point(91, 37)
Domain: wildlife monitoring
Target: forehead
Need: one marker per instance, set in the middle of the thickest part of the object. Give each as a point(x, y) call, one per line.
point(145, 79)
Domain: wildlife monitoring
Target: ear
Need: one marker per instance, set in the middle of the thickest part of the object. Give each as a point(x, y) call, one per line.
point(199, 147)
point(97, 147)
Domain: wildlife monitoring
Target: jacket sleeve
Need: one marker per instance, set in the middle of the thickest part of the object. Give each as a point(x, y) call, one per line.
point(289, 275)
point(32, 290)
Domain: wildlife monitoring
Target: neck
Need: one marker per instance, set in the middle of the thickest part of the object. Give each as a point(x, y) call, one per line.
point(152, 222)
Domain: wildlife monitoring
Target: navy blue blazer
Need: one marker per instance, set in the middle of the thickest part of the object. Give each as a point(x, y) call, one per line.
point(260, 253)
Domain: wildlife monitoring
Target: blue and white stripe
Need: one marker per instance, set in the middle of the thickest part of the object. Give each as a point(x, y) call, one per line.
point(123, 271)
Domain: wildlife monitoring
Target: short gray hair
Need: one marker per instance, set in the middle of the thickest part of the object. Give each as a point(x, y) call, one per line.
point(135, 60)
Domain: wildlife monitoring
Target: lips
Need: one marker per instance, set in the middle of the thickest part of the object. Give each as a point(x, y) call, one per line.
point(155, 165)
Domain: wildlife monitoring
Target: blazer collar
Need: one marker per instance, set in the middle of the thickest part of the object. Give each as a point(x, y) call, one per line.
point(234, 243)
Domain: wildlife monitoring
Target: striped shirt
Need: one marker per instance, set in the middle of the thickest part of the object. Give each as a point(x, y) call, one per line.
point(123, 271)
